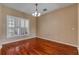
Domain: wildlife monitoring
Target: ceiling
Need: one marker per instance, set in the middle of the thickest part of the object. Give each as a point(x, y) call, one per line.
point(29, 8)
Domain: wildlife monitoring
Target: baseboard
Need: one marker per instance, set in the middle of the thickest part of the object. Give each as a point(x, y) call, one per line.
point(42, 38)
point(59, 42)
point(78, 50)
point(62, 43)
point(15, 40)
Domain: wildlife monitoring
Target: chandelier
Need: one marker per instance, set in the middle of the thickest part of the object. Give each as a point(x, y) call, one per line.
point(36, 13)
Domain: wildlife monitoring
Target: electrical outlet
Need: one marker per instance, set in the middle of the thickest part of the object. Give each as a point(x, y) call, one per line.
point(73, 28)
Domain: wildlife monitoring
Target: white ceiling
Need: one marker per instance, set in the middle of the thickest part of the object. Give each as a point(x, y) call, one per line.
point(29, 8)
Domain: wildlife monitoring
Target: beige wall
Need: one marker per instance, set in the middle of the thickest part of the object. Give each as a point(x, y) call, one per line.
point(78, 25)
point(1, 25)
point(55, 26)
point(8, 11)
point(59, 25)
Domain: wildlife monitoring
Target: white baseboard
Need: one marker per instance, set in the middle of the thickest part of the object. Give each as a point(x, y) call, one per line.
point(58, 41)
point(19, 39)
point(42, 38)
point(61, 42)
point(78, 50)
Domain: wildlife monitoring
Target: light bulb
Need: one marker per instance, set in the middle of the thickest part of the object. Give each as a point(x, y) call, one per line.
point(33, 14)
point(39, 14)
point(36, 14)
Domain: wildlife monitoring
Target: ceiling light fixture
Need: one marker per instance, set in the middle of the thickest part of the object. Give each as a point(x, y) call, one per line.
point(36, 13)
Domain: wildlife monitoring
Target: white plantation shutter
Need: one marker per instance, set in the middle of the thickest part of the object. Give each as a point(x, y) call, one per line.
point(17, 26)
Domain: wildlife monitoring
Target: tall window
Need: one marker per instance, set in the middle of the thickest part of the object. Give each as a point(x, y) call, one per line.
point(17, 26)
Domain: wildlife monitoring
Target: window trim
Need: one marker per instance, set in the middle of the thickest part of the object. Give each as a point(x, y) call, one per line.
point(28, 29)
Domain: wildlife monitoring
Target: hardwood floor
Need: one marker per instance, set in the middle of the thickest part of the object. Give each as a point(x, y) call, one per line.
point(38, 46)
point(0, 51)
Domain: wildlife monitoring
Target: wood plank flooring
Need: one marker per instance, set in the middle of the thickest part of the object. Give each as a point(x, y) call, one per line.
point(37, 46)
point(0, 51)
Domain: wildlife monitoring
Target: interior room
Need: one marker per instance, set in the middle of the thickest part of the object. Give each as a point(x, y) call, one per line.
point(39, 29)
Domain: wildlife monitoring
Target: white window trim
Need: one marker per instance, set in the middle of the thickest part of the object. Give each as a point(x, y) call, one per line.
point(28, 30)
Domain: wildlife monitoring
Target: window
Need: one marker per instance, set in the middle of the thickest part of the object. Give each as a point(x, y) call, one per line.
point(17, 26)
